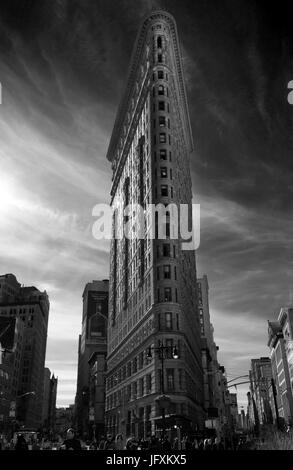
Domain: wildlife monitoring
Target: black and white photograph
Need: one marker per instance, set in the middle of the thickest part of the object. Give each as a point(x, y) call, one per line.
point(146, 228)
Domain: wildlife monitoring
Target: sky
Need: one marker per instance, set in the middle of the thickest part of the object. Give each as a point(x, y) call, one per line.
point(63, 66)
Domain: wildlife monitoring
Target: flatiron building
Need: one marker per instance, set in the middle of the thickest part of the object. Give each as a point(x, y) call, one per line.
point(152, 290)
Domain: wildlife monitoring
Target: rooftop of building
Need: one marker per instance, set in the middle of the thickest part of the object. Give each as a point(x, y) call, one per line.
point(274, 333)
point(154, 15)
point(96, 286)
point(285, 313)
point(22, 288)
point(274, 326)
point(7, 275)
point(261, 359)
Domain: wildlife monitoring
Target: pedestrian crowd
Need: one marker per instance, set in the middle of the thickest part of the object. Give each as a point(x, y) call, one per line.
point(117, 443)
point(154, 444)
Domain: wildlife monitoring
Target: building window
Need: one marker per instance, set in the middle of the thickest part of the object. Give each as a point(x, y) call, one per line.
point(159, 42)
point(168, 321)
point(166, 250)
point(168, 229)
point(160, 74)
point(158, 273)
point(97, 325)
point(149, 383)
point(140, 360)
point(169, 345)
point(161, 105)
point(163, 154)
point(164, 172)
point(167, 294)
point(140, 387)
point(167, 271)
point(164, 190)
point(160, 59)
point(161, 90)
point(162, 121)
point(170, 379)
point(134, 390)
point(162, 138)
point(134, 365)
point(180, 378)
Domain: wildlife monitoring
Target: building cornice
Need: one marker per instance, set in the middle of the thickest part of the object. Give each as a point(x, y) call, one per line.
point(134, 63)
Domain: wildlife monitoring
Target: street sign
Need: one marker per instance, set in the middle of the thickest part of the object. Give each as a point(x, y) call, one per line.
point(209, 423)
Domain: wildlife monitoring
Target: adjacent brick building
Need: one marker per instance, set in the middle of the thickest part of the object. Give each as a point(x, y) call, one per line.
point(31, 307)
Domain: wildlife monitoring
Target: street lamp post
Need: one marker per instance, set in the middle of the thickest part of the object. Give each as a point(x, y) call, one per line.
point(163, 400)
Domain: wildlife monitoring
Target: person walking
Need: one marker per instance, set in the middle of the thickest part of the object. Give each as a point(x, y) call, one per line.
point(102, 443)
point(131, 443)
point(188, 444)
point(176, 443)
point(21, 443)
point(218, 445)
point(119, 442)
point(195, 445)
point(207, 444)
point(109, 443)
point(201, 445)
point(71, 442)
point(154, 444)
point(183, 443)
point(166, 444)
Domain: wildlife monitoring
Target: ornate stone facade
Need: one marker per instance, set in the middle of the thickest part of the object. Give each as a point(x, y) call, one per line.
point(152, 294)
